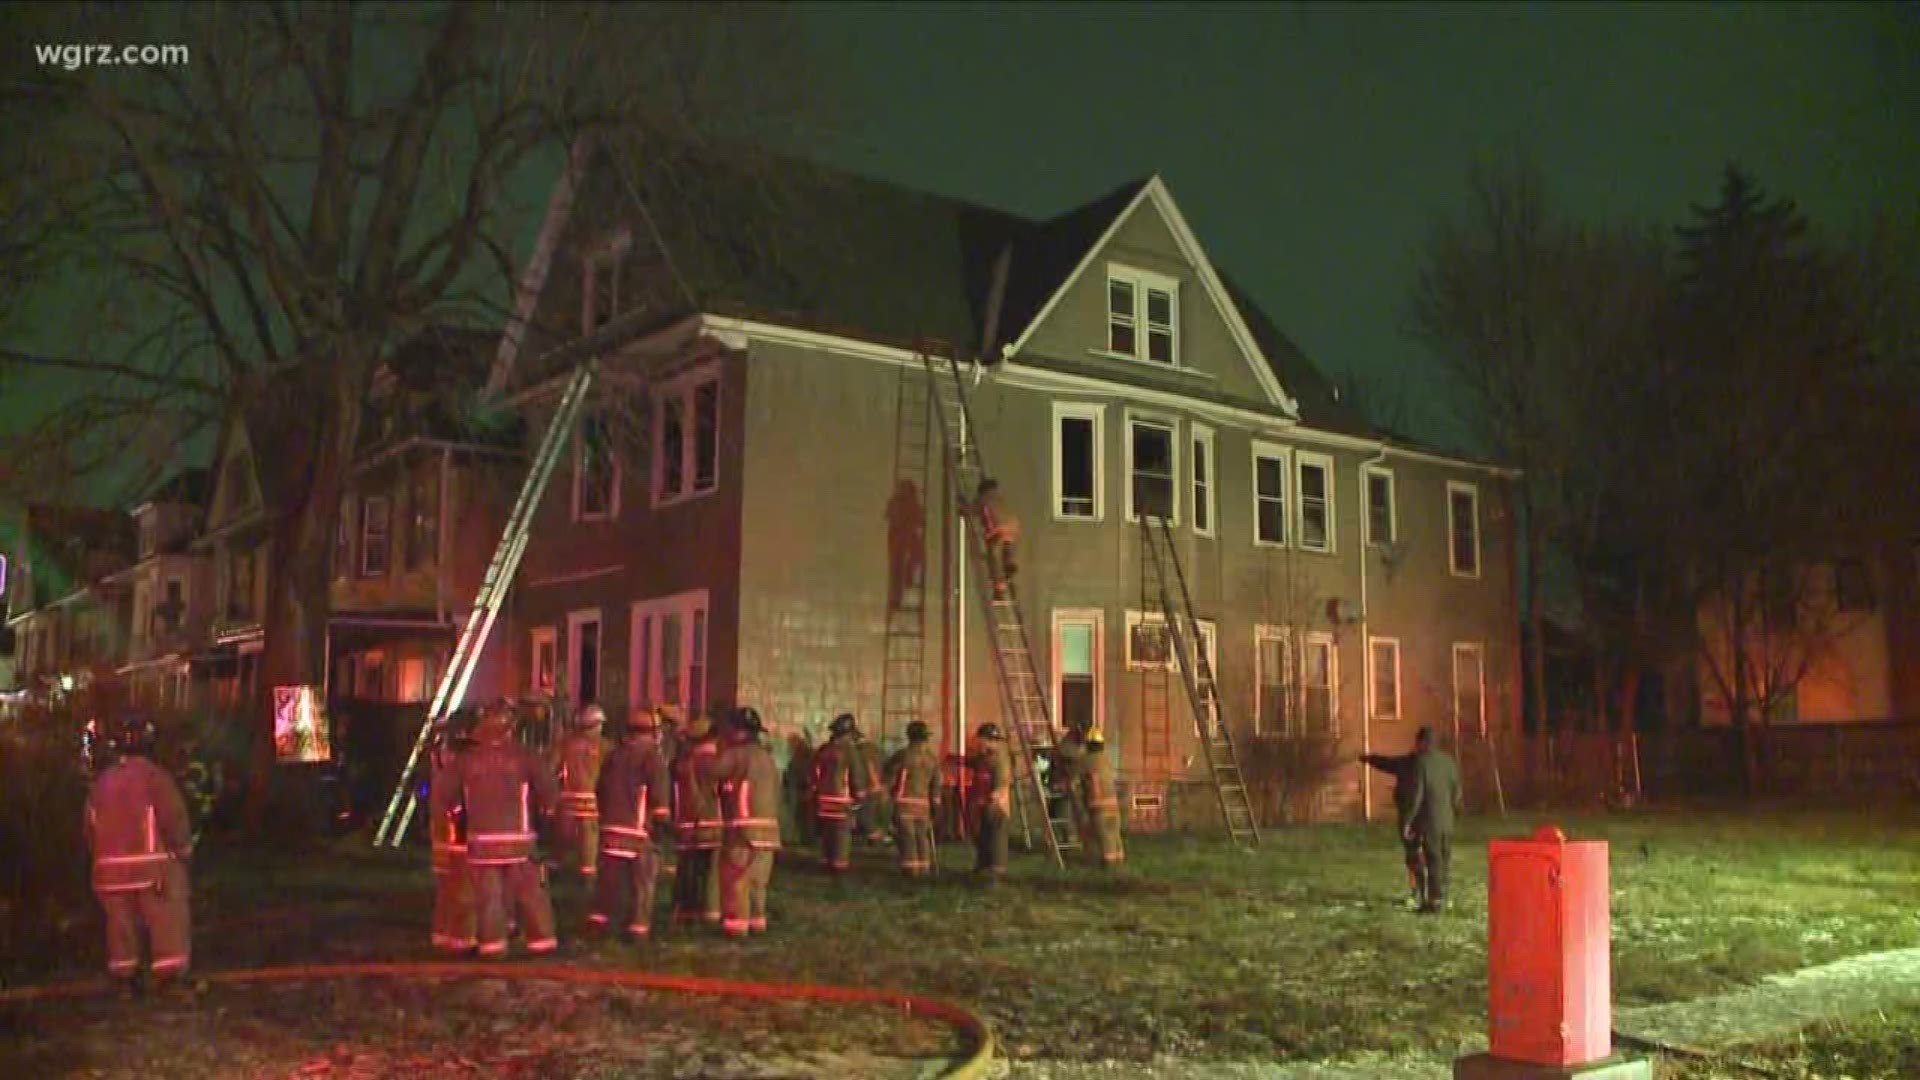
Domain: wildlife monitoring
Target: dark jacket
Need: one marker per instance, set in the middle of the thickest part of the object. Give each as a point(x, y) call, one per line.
point(1400, 767)
point(1436, 793)
point(505, 791)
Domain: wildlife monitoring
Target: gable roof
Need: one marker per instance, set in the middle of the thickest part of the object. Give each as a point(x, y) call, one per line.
point(187, 487)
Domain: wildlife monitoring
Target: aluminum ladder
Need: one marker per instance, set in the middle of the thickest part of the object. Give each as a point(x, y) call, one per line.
point(487, 601)
point(903, 684)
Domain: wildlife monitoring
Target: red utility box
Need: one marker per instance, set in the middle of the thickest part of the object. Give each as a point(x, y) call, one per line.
point(1549, 980)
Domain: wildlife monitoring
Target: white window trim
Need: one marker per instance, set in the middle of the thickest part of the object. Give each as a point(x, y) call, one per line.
point(1393, 508)
point(684, 387)
point(1284, 455)
point(538, 636)
point(1302, 460)
point(683, 604)
point(1262, 634)
point(576, 620)
point(1140, 281)
point(1307, 641)
point(1080, 410)
point(1479, 555)
point(386, 537)
point(612, 511)
point(1098, 618)
point(613, 249)
point(1479, 651)
point(1202, 443)
point(1171, 424)
point(1142, 618)
point(1373, 703)
point(1207, 632)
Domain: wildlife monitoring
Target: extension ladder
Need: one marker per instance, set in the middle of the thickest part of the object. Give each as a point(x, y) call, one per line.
point(903, 683)
point(487, 601)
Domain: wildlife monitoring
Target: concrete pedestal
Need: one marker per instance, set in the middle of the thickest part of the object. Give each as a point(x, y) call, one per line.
point(1488, 1067)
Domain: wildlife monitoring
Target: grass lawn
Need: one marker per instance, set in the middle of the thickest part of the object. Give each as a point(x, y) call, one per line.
point(1878, 1044)
point(1196, 951)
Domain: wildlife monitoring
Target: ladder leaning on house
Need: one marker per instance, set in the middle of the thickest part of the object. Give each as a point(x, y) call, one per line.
point(1196, 671)
point(486, 602)
point(1024, 702)
point(903, 686)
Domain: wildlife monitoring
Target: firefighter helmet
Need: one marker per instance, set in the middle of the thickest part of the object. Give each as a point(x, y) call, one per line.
point(642, 722)
point(671, 714)
point(746, 720)
point(917, 731)
point(1095, 738)
point(699, 727)
point(133, 734)
point(590, 717)
point(989, 732)
point(844, 724)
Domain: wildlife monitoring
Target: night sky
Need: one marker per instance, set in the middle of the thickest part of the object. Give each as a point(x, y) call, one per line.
point(1310, 146)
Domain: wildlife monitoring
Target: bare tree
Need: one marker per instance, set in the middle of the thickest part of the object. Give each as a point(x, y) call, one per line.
point(321, 182)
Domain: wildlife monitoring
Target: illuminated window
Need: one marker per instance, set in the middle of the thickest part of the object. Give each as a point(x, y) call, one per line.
point(1316, 501)
point(376, 529)
point(413, 680)
point(1383, 678)
point(544, 656)
point(1381, 524)
point(688, 444)
point(1143, 315)
point(1077, 663)
point(1463, 529)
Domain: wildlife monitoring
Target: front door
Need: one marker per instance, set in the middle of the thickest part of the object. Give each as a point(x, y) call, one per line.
point(583, 656)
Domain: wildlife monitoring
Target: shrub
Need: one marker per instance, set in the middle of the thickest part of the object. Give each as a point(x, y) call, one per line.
point(46, 905)
point(1285, 774)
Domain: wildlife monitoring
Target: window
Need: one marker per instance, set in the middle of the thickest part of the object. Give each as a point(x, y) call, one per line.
point(1202, 480)
point(1381, 524)
point(1077, 494)
point(688, 445)
point(600, 283)
point(1469, 690)
point(1383, 678)
point(1151, 466)
point(149, 534)
point(1852, 586)
point(413, 680)
point(596, 471)
point(170, 615)
point(1205, 646)
point(1319, 683)
point(343, 541)
point(669, 647)
point(375, 534)
point(1143, 315)
point(240, 590)
point(1077, 654)
point(373, 676)
point(583, 656)
point(545, 655)
point(1273, 698)
point(141, 605)
point(1463, 529)
point(1148, 644)
point(1316, 502)
point(1269, 494)
point(423, 516)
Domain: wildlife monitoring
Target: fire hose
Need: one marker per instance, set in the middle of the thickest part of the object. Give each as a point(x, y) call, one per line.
point(971, 1067)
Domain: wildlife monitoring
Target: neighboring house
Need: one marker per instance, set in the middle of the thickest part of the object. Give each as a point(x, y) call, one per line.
point(425, 505)
point(236, 546)
point(719, 532)
point(1842, 645)
point(69, 621)
point(171, 590)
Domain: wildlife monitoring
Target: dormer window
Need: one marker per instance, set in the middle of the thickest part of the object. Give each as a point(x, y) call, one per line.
point(1143, 315)
point(600, 283)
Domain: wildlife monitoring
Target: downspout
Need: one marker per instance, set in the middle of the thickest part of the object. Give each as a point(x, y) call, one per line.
point(1366, 644)
point(960, 552)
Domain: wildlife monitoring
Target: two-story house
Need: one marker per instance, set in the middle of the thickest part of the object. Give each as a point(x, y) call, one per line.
point(68, 614)
point(721, 530)
point(235, 545)
point(171, 591)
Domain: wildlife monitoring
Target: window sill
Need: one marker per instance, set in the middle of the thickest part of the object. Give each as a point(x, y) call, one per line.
point(678, 500)
point(1325, 552)
point(1451, 572)
point(1134, 519)
point(1076, 519)
point(1271, 545)
point(1173, 368)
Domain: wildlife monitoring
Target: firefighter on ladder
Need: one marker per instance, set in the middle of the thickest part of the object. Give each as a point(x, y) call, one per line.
point(140, 839)
point(503, 790)
point(1001, 529)
point(993, 792)
point(577, 764)
point(750, 793)
point(453, 911)
point(913, 776)
point(633, 797)
point(696, 826)
point(837, 784)
point(1102, 802)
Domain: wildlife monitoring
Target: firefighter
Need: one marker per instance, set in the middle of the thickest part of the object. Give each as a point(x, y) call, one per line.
point(1435, 800)
point(453, 910)
point(798, 779)
point(993, 792)
point(504, 790)
point(1102, 802)
point(1002, 531)
point(140, 840)
point(750, 800)
point(577, 765)
point(837, 783)
point(870, 814)
point(634, 796)
point(1068, 760)
point(1400, 767)
point(913, 777)
point(696, 826)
